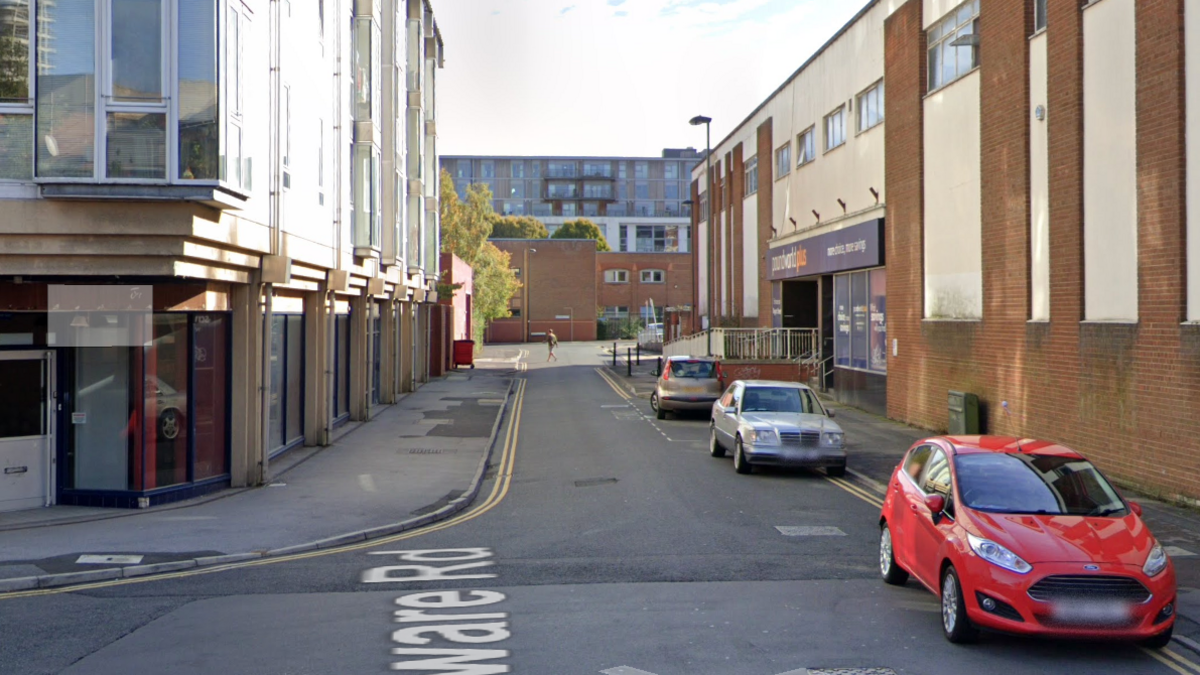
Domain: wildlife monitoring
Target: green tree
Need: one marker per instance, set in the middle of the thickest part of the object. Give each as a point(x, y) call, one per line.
point(465, 224)
point(465, 228)
point(518, 227)
point(582, 229)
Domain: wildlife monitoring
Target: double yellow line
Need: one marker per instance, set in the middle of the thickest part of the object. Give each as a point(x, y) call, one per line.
point(1173, 660)
point(499, 491)
point(861, 493)
point(614, 384)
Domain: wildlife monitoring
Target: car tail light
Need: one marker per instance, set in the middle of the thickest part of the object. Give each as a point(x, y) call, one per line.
point(666, 375)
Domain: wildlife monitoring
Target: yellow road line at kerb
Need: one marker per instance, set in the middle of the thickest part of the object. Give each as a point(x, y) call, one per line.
point(1166, 662)
point(856, 491)
point(1187, 663)
point(499, 491)
point(616, 387)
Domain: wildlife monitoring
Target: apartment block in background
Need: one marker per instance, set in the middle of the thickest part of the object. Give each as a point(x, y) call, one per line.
point(218, 236)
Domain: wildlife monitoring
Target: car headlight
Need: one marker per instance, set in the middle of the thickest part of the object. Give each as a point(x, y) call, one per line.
point(1156, 562)
point(998, 555)
point(835, 438)
point(762, 437)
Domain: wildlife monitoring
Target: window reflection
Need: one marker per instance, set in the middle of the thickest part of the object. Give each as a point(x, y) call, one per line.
point(66, 88)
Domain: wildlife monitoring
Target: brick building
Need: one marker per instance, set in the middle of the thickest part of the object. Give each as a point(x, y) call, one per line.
point(558, 290)
point(567, 286)
point(1030, 189)
point(797, 214)
point(1044, 240)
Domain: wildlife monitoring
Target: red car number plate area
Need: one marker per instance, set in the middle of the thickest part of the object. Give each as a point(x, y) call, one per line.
point(1091, 613)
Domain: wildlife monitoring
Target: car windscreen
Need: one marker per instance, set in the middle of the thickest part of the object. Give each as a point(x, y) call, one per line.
point(1049, 484)
point(779, 399)
point(693, 369)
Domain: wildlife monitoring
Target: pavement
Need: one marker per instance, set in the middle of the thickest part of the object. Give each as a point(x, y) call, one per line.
point(875, 445)
point(415, 462)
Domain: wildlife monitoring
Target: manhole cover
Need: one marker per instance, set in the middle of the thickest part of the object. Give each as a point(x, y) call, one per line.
point(851, 671)
point(809, 531)
point(108, 560)
point(594, 481)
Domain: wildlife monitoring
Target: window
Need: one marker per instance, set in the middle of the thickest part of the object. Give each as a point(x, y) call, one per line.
point(518, 169)
point(616, 276)
point(462, 168)
point(643, 208)
point(487, 168)
point(671, 190)
point(368, 70)
point(657, 239)
point(286, 409)
point(591, 209)
point(366, 212)
point(16, 106)
point(600, 169)
point(516, 272)
point(535, 169)
point(641, 169)
point(870, 107)
point(641, 190)
point(751, 185)
point(835, 129)
point(516, 189)
point(286, 100)
point(860, 320)
point(561, 170)
point(568, 209)
point(783, 161)
point(653, 276)
point(615, 313)
point(622, 170)
point(917, 459)
point(954, 45)
point(670, 170)
point(703, 206)
point(1039, 15)
point(806, 147)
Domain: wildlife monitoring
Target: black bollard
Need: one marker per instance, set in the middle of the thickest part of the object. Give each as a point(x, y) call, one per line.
point(639, 353)
point(658, 369)
point(629, 361)
point(614, 355)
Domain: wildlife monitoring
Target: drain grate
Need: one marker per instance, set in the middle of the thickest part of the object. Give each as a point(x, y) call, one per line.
point(426, 451)
point(591, 482)
point(851, 671)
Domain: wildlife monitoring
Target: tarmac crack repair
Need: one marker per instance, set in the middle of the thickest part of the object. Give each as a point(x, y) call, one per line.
point(440, 615)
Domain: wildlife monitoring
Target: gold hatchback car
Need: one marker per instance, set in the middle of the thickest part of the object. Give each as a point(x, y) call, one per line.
point(687, 383)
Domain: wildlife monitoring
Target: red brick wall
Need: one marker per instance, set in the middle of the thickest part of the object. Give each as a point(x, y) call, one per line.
point(560, 280)
point(1125, 395)
point(766, 206)
point(676, 289)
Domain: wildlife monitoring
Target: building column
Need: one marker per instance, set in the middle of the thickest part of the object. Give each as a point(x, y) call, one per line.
point(245, 424)
point(408, 347)
point(317, 385)
point(360, 407)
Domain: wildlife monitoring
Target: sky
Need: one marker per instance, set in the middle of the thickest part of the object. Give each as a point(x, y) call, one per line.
point(615, 77)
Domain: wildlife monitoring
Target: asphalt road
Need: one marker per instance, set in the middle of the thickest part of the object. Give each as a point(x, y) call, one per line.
point(604, 542)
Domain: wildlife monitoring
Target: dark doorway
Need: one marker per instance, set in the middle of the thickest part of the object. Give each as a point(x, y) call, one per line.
point(800, 306)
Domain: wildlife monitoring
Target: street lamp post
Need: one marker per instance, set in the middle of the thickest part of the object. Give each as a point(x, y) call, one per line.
point(707, 122)
point(527, 282)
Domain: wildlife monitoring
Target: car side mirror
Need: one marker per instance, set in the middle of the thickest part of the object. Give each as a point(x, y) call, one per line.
point(1136, 508)
point(935, 503)
point(831, 412)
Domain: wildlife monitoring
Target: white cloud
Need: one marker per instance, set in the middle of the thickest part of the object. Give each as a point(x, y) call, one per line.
point(615, 77)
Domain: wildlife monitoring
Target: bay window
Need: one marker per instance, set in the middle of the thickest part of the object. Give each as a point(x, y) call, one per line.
point(367, 217)
point(16, 103)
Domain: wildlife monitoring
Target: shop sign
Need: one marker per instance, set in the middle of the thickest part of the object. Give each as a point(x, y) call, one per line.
point(854, 247)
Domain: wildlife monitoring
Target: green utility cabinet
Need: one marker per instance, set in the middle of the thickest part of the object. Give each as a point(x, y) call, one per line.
point(964, 413)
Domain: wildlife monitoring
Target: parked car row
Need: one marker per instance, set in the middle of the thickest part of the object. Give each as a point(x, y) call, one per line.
point(1013, 535)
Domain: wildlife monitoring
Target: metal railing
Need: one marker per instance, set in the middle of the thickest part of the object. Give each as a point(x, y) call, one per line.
point(749, 344)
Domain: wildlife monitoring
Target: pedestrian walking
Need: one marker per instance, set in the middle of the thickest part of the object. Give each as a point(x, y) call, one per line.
point(552, 343)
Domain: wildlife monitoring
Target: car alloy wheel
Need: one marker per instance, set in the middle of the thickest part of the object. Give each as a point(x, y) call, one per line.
point(714, 446)
point(888, 568)
point(955, 624)
point(169, 422)
point(740, 464)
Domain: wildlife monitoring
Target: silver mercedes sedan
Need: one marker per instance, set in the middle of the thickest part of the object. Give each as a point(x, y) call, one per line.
point(776, 424)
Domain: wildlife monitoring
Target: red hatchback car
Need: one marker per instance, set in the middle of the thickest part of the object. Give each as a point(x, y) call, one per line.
point(1024, 536)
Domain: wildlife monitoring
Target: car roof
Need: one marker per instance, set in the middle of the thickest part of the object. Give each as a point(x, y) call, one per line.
point(692, 358)
point(974, 445)
point(773, 383)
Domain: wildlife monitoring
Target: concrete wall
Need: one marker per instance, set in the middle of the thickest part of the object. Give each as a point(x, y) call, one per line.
point(1110, 236)
point(953, 254)
point(1039, 188)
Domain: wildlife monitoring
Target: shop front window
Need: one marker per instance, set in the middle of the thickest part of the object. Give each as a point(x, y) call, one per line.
point(860, 322)
point(138, 415)
point(210, 405)
point(341, 363)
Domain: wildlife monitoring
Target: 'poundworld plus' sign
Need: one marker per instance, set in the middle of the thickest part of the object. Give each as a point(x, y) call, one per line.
point(854, 247)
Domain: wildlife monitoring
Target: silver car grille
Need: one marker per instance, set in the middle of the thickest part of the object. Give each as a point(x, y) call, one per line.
point(801, 437)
